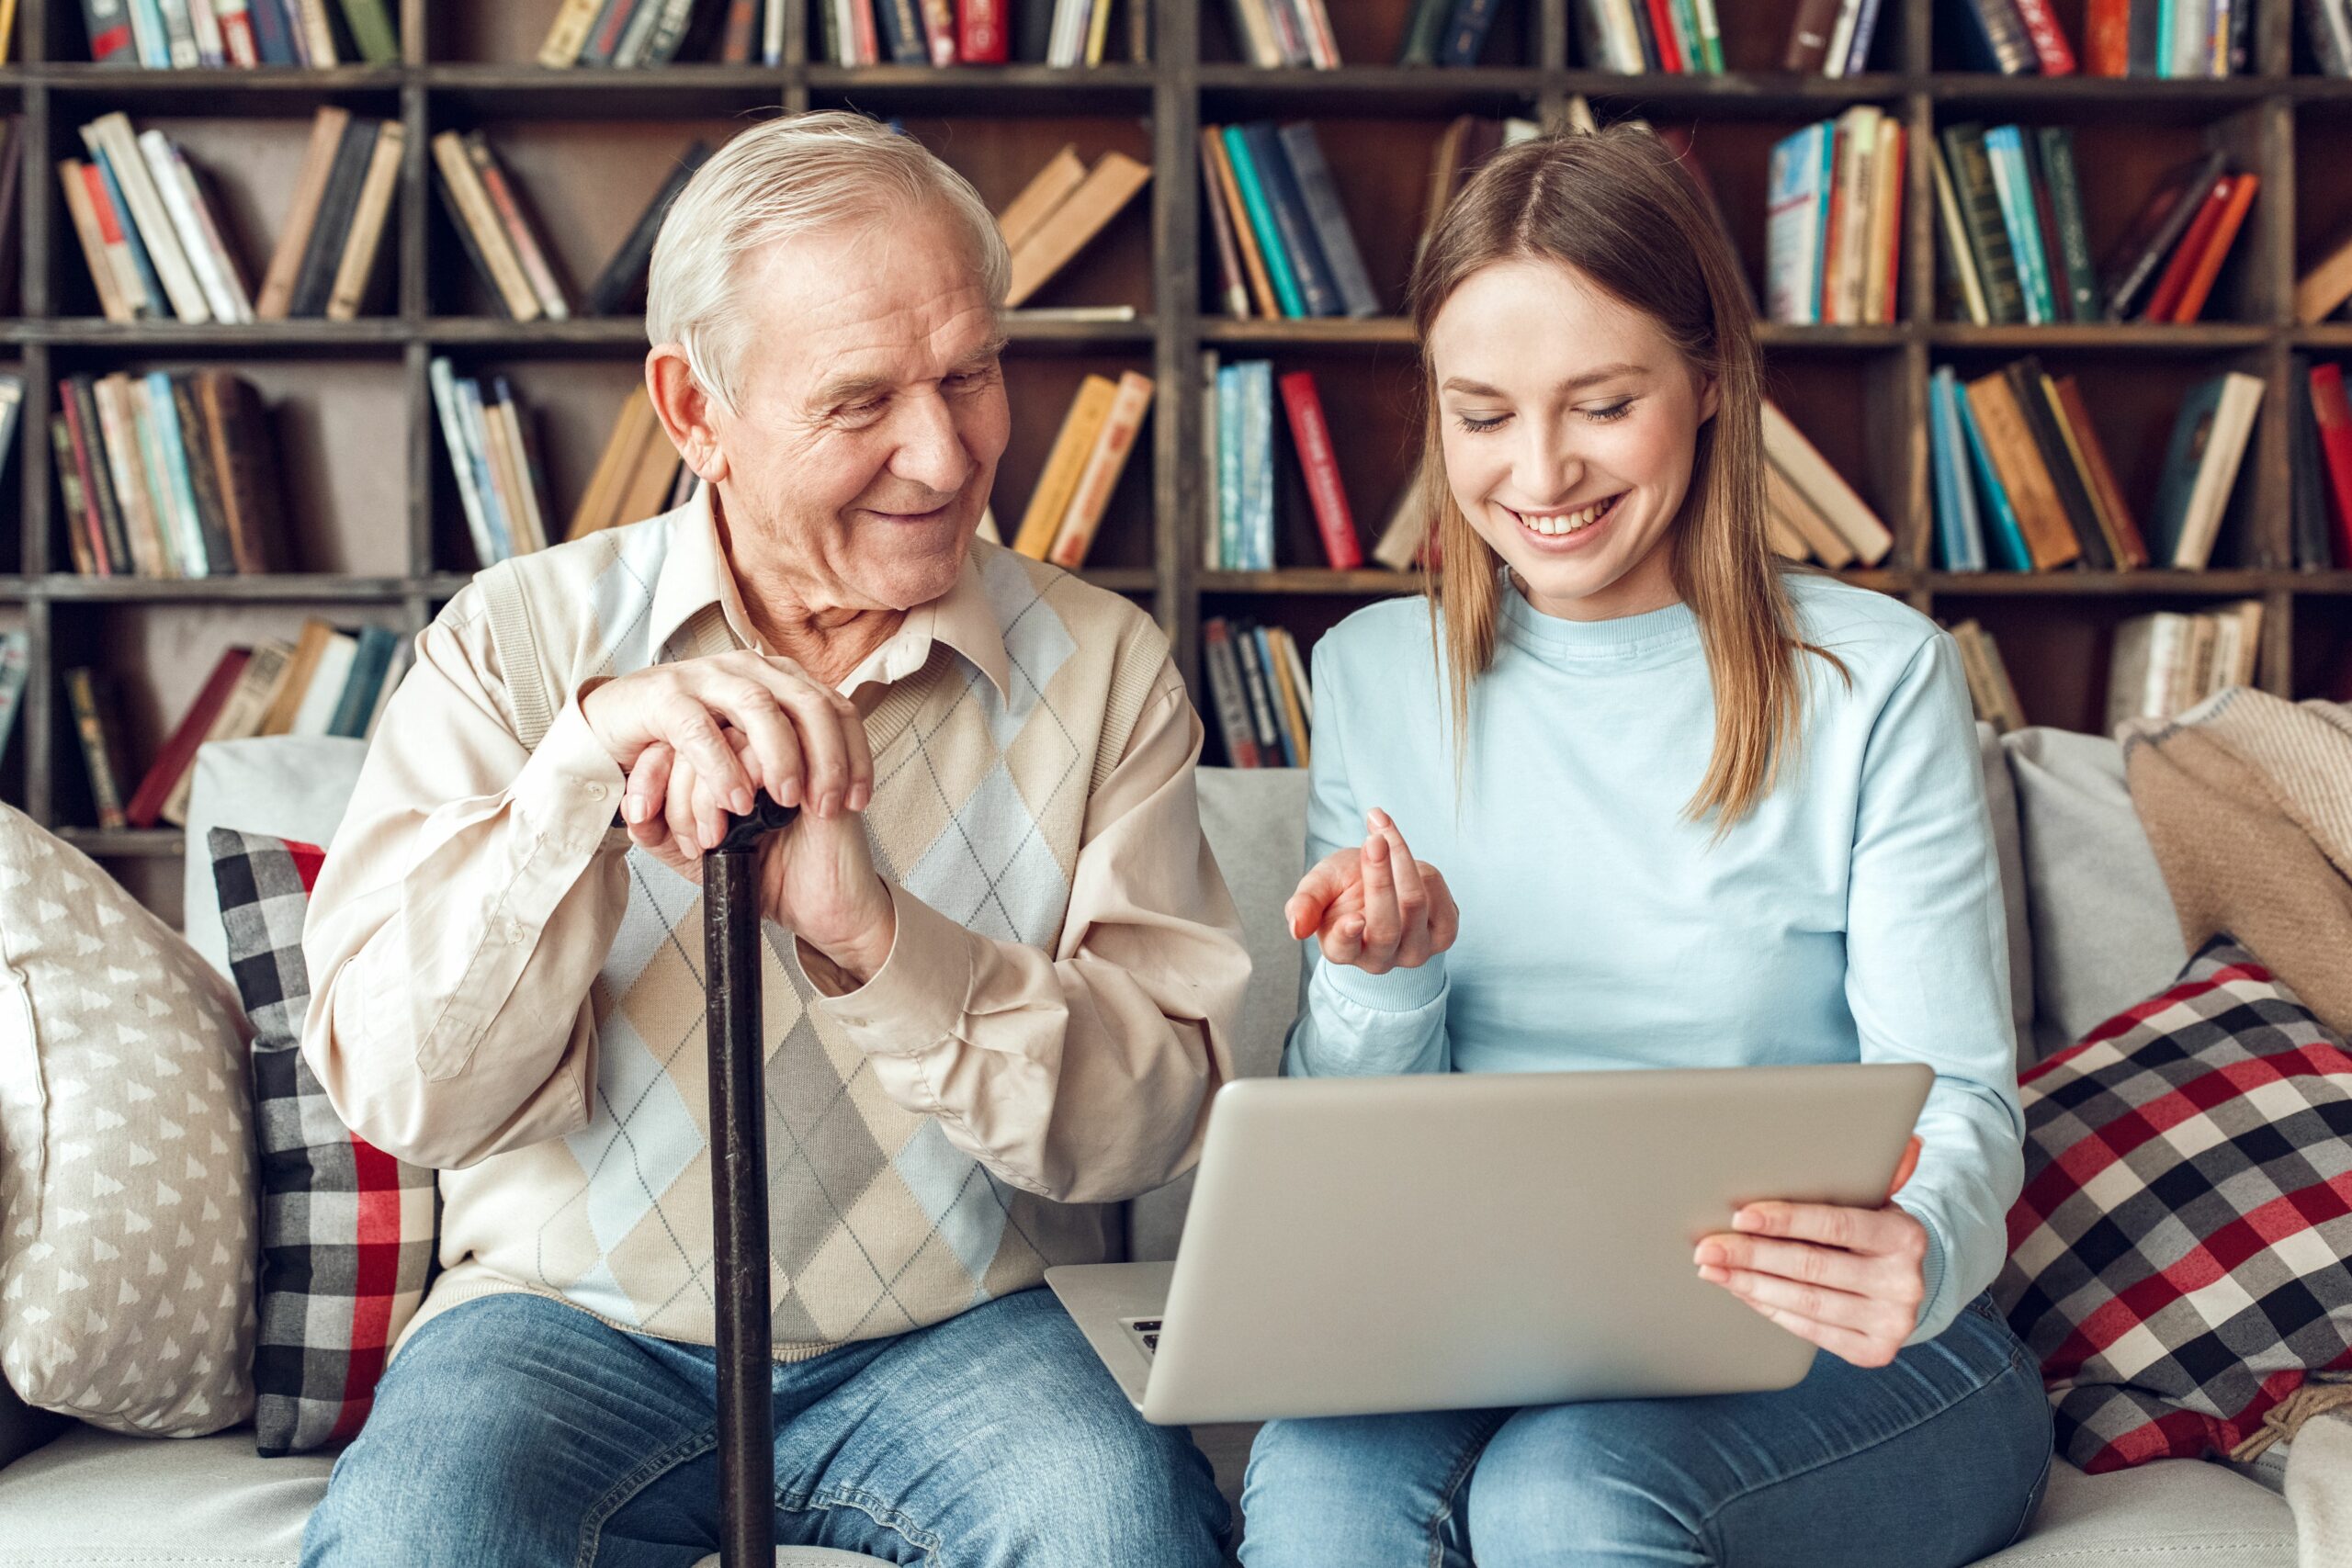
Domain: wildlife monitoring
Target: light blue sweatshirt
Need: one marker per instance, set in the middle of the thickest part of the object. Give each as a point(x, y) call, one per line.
point(1855, 915)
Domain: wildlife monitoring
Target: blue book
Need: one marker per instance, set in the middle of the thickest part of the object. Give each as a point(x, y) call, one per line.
point(1228, 468)
point(369, 660)
point(1274, 674)
point(1259, 210)
point(1796, 208)
point(2193, 431)
point(1257, 429)
point(155, 39)
point(272, 40)
point(472, 420)
point(2006, 539)
point(1959, 540)
point(171, 455)
point(1465, 31)
point(158, 303)
point(2013, 183)
point(1318, 289)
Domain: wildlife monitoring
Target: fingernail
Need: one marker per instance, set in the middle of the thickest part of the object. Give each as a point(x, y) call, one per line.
point(861, 798)
point(1744, 1221)
point(632, 810)
point(791, 794)
point(1712, 1276)
point(741, 801)
point(831, 804)
point(1709, 1252)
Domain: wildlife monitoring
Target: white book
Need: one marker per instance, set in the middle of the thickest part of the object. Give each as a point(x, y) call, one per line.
point(179, 35)
point(110, 136)
point(325, 693)
point(1858, 131)
point(453, 436)
point(209, 47)
point(1625, 36)
point(2218, 471)
point(216, 269)
point(844, 33)
point(402, 658)
point(1956, 250)
point(148, 40)
point(771, 34)
point(1841, 38)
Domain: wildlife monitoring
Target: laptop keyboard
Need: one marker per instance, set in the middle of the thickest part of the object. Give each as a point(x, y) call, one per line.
point(1145, 1331)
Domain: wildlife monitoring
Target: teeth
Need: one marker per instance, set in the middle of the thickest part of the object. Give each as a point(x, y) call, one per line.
point(1567, 521)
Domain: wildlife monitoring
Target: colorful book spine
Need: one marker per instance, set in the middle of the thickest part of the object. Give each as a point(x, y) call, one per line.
point(1311, 438)
point(1959, 540)
point(1795, 217)
point(2005, 150)
point(2005, 535)
point(1261, 213)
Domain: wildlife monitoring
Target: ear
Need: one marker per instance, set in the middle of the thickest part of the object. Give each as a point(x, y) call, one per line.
point(688, 414)
point(1710, 397)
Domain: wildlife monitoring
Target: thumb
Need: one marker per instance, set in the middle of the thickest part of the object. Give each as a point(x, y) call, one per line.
point(1906, 1165)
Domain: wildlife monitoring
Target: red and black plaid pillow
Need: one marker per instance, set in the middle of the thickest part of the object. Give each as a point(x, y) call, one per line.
point(347, 1230)
point(2177, 1260)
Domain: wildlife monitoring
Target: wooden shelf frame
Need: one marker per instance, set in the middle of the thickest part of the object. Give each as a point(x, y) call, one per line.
point(2265, 111)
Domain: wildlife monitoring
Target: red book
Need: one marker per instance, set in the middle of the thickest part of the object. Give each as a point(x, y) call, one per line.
point(2106, 38)
point(1894, 231)
point(865, 40)
point(1311, 433)
point(92, 522)
point(979, 31)
point(111, 42)
point(2217, 248)
point(1670, 51)
point(742, 21)
point(2332, 412)
point(178, 754)
point(2049, 43)
point(2174, 283)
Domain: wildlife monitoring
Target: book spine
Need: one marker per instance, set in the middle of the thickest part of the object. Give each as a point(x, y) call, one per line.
point(82, 536)
point(1311, 435)
point(473, 421)
point(1960, 531)
point(106, 23)
point(1792, 222)
point(96, 733)
point(1224, 687)
point(338, 205)
point(1328, 220)
point(177, 754)
point(372, 31)
point(2061, 458)
point(1231, 553)
point(2049, 39)
point(2328, 26)
point(980, 34)
point(1809, 33)
point(445, 405)
point(97, 252)
point(179, 35)
point(2332, 411)
point(1858, 52)
point(216, 269)
point(2075, 417)
point(516, 225)
point(314, 30)
point(172, 461)
point(2073, 233)
point(1423, 29)
point(1465, 31)
point(1103, 466)
point(204, 480)
point(902, 38)
point(1233, 288)
point(273, 32)
point(110, 138)
point(568, 34)
point(735, 39)
point(2014, 191)
point(1261, 222)
point(369, 662)
point(500, 270)
point(110, 539)
point(2004, 535)
point(210, 50)
point(148, 38)
point(2207, 265)
point(1271, 673)
point(771, 34)
point(2010, 443)
point(1262, 699)
point(670, 32)
point(356, 267)
point(2107, 37)
point(2307, 492)
point(16, 669)
point(1989, 236)
point(1318, 293)
point(1256, 422)
point(1215, 157)
point(1995, 38)
point(237, 40)
point(126, 463)
point(2173, 283)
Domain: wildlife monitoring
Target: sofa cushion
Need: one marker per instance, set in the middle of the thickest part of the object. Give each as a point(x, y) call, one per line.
point(347, 1230)
point(2176, 1255)
point(2176, 1513)
point(126, 1155)
point(294, 786)
point(1255, 821)
point(2104, 933)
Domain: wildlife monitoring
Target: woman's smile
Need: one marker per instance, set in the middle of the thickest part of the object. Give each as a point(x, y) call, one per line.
point(1572, 528)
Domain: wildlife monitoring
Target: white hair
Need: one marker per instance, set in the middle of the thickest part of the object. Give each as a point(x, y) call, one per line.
point(784, 180)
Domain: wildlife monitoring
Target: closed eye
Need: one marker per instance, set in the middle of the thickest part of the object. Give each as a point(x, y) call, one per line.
point(1615, 410)
point(1475, 426)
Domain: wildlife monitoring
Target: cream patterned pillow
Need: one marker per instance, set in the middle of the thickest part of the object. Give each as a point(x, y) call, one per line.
point(126, 1237)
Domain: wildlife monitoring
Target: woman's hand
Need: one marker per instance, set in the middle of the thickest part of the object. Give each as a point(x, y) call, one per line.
point(1376, 907)
point(1848, 1280)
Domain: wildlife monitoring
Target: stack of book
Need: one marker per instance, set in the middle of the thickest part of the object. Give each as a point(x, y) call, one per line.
point(1089, 454)
point(1061, 210)
point(1831, 38)
point(166, 475)
point(487, 209)
point(16, 667)
point(147, 231)
point(2167, 663)
point(640, 474)
point(625, 34)
point(1812, 512)
point(1632, 37)
point(325, 260)
point(1297, 33)
point(1834, 224)
point(1990, 691)
point(187, 35)
point(1237, 479)
point(2016, 249)
point(971, 33)
point(1284, 246)
point(2022, 483)
point(2121, 38)
point(2319, 449)
point(2328, 25)
point(326, 682)
point(1258, 685)
point(487, 434)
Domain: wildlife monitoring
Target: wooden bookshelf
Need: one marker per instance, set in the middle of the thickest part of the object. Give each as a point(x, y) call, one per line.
point(378, 532)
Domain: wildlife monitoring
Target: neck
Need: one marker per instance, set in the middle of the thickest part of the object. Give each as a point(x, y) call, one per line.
point(789, 611)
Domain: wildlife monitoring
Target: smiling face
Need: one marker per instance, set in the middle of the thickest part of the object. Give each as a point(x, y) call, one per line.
point(857, 460)
point(1568, 422)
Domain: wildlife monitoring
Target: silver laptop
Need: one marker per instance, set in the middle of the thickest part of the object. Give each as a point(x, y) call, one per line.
point(1459, 1241)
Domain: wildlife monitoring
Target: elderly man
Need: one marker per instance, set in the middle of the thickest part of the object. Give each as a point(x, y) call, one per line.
point(1001, 969)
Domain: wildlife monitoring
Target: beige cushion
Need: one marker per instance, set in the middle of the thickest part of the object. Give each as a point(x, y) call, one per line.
point(126, 1250)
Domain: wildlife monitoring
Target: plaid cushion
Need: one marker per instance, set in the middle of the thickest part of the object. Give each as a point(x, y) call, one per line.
point(346, 1231)
point(2177, 1259)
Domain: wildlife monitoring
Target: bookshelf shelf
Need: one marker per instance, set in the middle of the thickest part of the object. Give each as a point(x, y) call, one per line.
point(370, 479)
point(140, 843)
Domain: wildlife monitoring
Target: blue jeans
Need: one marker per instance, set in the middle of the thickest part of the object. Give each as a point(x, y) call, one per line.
point(514, 1432)
point(1932, 1461)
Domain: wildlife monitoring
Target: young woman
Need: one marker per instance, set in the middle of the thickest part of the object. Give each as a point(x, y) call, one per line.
point(1692, 808)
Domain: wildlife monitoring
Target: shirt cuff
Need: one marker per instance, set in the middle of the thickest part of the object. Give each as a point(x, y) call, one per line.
point(1399, 990)
point(1932, 1319)
point(570, 789)
point(916, 999)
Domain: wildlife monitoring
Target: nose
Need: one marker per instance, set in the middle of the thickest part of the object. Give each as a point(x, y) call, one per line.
point(1546, 470)
point(930, 450)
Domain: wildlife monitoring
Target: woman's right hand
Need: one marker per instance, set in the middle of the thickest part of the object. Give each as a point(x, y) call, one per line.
point(1376, 907)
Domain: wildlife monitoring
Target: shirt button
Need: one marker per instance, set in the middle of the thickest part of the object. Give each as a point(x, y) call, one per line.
point(597, 791)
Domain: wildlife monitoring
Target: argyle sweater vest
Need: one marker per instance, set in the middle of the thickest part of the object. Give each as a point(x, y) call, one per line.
point(878, 1224)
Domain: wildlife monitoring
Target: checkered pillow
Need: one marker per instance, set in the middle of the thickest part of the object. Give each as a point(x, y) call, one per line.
point(347, 1230)
point(2177, 1259)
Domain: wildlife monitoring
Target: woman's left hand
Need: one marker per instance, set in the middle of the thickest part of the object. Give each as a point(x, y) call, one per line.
point(1848, 1280)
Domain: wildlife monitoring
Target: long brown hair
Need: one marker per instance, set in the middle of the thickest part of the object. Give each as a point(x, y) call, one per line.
point(1615, 208)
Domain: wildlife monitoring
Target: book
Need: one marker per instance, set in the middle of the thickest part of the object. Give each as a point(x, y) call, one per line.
point(1104, 463)
point(99, 249)
point(981, 34)
point(1809, 32)
point(1990, 691)
point(1796, 513)
point(1050, 186)
point(355, 704)
point(1107, 189)
point(110, 535)
point(372, 31)
point(178, 755)
point(1311, 440)
point(1465, 37)
point(634, 430)
point(199, 235)
point(620, 287)
point(1328, 219)
point(95, 724)
point(514, 222)
point(244, 455)
point(1981, 213)
point(2131, 264)
point(2129, 547)
point(2332, 416)
point(15, 669)
point(568, 34)
point(338, 206)
point(2005, 545)
point(2005, 156)
point(1232, 703)
point(1233, 288)
point(2201, 460)
point(1821, 484)
point(106, 23)
point(1049, 502)
point(1405, 537)
point(1258, 213)
point(2325, 285)
point(2307, 500)
point(1796, 223)
point(1960, 537)
point(2056, 143)
point(327, 130)
point(2029, 388)
point(1293, 232)
point(1291, 688)
point(355, 270)
point(1218, 161)
point(195, 458)
point(2207, 264)
point(478, 219)
point(112, 142)
point(2014, 455)
point(2172, 281)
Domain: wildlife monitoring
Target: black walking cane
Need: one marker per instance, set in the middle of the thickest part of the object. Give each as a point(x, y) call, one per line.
point(738, 1184)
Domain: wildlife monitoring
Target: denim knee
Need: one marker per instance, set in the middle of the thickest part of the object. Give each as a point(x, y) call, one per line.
point(1369, 1489)
point(1084, 1486)
point(1592, 1505)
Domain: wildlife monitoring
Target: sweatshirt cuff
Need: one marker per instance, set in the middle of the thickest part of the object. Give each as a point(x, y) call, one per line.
point(1933, 1319)
point(1399, 990)
point(571, 788)
point(916, 999)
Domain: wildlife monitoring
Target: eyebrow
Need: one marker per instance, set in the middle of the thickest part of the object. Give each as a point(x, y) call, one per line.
point(858, 389)
point(1480, 388)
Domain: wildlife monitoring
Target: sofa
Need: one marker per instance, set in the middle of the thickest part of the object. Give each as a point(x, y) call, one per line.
point(2091, 932)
